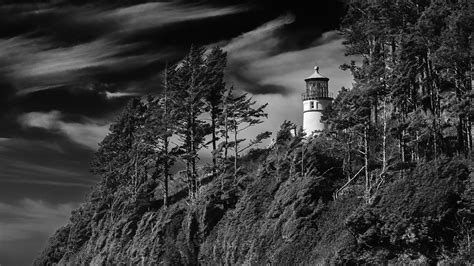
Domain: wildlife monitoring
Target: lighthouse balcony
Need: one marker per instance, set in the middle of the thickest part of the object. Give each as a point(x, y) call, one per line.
point(316, 96)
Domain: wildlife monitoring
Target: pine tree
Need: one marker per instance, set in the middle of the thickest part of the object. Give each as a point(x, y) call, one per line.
point(115, 158)
point(156, 136)
point(415, 74)
point(214, 97)
point(240, 114)
point(187, 91)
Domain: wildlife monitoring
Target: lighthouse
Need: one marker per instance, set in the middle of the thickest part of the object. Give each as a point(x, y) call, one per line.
point(315, 100)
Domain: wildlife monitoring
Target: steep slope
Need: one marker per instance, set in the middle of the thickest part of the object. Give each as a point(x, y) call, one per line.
point(273, 216)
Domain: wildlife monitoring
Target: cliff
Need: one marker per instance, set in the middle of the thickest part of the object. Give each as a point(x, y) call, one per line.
point(273, 215)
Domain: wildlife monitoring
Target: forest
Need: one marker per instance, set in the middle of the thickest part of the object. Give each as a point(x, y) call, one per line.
point(411, 100)
point(390, 180)
point(194, 111)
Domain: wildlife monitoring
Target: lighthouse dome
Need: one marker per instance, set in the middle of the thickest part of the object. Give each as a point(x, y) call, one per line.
point(316, 75)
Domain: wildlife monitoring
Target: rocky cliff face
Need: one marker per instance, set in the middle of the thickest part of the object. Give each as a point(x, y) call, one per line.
point(269, 217)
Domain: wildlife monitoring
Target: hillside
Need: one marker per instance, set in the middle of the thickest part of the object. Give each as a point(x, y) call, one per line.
point(388, 180)
point(274, 215)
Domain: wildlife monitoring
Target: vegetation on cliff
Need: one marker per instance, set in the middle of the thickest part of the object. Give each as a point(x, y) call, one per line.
point(390, 181)
point(273, 214)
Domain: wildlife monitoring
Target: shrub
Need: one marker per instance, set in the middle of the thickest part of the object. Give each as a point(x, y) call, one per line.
point(416, 214)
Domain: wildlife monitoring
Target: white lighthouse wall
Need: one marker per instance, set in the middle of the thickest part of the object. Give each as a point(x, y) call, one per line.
point(313, 114)
point(311, 123)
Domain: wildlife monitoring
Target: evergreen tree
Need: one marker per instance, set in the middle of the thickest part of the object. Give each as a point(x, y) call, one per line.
point(187, 91)
point(115, 158)
point(415, 78)
point(240, 114)
point(350, 117)
point(214, 97)
point(156, 136)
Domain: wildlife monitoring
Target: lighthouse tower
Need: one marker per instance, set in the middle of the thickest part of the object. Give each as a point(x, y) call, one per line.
point(315, 100)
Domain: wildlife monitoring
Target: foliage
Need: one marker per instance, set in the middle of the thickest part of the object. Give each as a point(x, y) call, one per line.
point(420, 219)
point(153, 132)
point(414, 218)
point(56, 247)
point(411, 99)
point(405, 126)
point(112, 160)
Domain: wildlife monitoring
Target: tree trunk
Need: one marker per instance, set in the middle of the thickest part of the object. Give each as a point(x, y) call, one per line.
point(349, 159)
point(417, 153)
point(302, 159)
point(469, 134)
point(167, 174)
point(402, 146)
point(190, 183)
point(226, 136)
point(193, 158)
point(366, 163)
point(226, 141)
point(214, 146)
point(166, 142)
point(384, 139)
point(136, 171)
point(435, 139)
point(236, 148)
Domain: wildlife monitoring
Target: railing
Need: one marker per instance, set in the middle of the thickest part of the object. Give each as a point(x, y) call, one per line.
point(316, 96)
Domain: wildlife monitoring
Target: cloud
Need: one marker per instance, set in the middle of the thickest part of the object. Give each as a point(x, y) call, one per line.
point(111, 95)
point(48, 183)
point(47, 62)
point(35, 64)
point(88, 134)
point(42, 163)
point(260, 41)
point(87, 43)
point(41, 120)
point(18, 171)
point(27, 217)
point(55, 169)
point(289, 69)
point(151, 15)
point(250, 48)
point(26, 225)
point(259, 65)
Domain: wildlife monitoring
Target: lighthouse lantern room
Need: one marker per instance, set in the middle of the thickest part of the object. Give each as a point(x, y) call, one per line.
point(315, 100)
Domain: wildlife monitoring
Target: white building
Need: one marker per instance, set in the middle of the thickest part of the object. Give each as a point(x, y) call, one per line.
point(315, 100)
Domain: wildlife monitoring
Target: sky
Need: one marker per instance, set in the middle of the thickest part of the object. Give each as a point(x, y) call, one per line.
point(67, 68)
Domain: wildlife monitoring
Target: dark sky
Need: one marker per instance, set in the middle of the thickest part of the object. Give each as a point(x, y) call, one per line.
point(68, 67)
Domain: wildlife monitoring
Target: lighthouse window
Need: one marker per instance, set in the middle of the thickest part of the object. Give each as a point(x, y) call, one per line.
point(311, 105)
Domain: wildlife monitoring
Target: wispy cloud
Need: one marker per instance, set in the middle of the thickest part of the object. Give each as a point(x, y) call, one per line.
point(151, 15)
point(258, 64)
point(290, 68)
point(259, 42)
point(26, 146)
point(111, 95)
point(40, 63)
point(22, 219)
point(62, 60)
point(34, 64)
point(47, 183)
point(89, 133)
point(19, 169)
point(251, 47)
